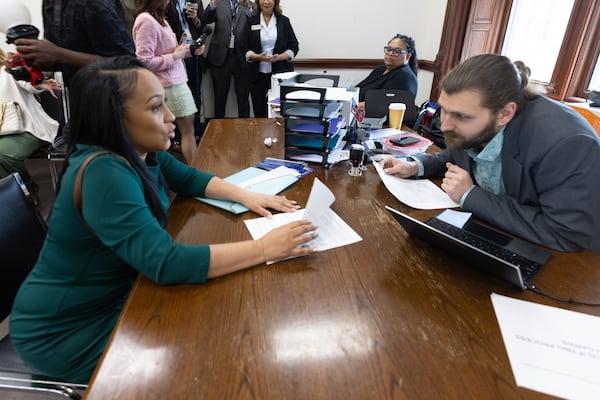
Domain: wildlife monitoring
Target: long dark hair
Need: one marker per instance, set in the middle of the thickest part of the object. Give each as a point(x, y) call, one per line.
point(412, 50)
point(156, 8)
point(496, 77)
point(97, 94)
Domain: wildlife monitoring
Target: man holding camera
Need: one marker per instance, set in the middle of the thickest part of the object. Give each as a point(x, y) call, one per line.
point(77, 32)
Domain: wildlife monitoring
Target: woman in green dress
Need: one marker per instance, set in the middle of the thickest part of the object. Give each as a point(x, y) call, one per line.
point(68, 305)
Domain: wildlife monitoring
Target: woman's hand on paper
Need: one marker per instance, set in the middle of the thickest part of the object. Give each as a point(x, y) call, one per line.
point(288, 240)
point(260, 203)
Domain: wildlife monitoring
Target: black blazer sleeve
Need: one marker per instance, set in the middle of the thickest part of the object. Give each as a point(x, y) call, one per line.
point(286, 40)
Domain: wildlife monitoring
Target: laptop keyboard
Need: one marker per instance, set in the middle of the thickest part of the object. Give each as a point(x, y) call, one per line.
point(528, 267)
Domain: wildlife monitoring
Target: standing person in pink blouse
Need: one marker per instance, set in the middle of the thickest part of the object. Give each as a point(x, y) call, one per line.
point(156, 45)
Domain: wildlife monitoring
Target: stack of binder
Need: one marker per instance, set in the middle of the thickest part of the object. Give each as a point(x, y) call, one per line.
point(312, 123)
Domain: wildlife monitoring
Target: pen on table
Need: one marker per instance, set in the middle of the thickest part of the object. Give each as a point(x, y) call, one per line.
point(278, 123)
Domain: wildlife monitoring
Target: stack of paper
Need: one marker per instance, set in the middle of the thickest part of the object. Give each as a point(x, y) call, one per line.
point(333, 231)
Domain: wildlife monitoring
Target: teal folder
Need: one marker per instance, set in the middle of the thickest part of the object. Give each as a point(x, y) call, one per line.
point(270, 186)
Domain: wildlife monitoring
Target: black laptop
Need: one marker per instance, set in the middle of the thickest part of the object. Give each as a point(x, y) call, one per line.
point(377, 102)
point(510, 258)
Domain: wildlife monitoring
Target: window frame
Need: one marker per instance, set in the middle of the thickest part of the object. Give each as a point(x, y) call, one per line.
point(577, 57)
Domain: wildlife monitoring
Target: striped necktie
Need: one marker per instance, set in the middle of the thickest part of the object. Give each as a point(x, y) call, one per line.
point(234, 7)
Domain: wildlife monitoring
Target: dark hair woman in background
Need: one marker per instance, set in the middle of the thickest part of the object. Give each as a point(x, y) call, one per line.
point(399, 69)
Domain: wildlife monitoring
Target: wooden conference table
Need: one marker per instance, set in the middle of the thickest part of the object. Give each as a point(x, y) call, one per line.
point(389, 317)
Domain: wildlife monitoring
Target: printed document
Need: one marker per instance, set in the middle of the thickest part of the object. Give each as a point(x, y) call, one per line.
point(551, 350)
point(421, 194)
point(333, 231)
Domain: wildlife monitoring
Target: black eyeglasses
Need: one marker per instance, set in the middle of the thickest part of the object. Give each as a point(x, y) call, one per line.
point(394, 52)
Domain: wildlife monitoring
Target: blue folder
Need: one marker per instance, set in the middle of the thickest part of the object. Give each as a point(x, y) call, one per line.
point(271, 186)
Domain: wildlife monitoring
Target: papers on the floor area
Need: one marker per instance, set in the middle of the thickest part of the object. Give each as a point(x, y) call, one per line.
point(551, 350)
point(416, 193)
point(333, 231)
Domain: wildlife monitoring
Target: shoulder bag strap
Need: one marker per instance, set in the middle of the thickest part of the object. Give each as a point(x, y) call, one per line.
point(77, 196)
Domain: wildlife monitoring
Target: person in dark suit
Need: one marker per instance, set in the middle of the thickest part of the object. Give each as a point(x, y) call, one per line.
point(224, 59)
point(515, 158)
point(269, 45)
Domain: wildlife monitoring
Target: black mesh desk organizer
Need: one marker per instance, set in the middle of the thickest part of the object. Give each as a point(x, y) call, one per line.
point(307, 121)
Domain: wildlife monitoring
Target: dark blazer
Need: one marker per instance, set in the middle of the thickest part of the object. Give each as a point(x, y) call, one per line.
point(286, 40)
point(401, 78)
point(550, 169)
point(219, 42)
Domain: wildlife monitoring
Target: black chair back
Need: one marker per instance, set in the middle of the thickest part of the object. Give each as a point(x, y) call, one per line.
point(321, 80)
point(22, 234)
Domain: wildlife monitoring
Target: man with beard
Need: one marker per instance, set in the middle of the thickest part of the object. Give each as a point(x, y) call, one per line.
point(514, 157)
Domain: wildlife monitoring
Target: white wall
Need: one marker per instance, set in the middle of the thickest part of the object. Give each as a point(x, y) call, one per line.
point(340, 29)
point(360, 29)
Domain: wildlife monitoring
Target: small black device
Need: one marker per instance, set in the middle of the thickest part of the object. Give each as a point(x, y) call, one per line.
point(404, 141)
point(356, 158)
point(17, 66)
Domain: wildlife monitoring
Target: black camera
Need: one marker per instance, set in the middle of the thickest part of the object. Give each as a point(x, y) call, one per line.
point(17, 66)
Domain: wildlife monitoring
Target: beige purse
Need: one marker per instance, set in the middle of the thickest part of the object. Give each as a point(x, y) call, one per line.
point(11, 118)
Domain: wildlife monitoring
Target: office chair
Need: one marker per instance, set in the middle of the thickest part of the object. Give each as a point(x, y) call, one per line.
point(22, 233)
point(320, 80)
point(378, 100)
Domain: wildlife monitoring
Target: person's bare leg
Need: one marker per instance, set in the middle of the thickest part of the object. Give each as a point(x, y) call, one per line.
point(188, 139)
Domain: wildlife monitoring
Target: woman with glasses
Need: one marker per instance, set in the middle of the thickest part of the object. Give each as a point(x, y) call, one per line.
point(399, 69)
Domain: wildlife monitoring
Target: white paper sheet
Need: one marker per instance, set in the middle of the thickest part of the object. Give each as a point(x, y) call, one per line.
point(551, 350)
point(455, 218)
point(421, 194)
point(333, 231)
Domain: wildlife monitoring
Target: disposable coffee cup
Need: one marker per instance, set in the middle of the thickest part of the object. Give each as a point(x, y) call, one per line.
point(396, 115)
